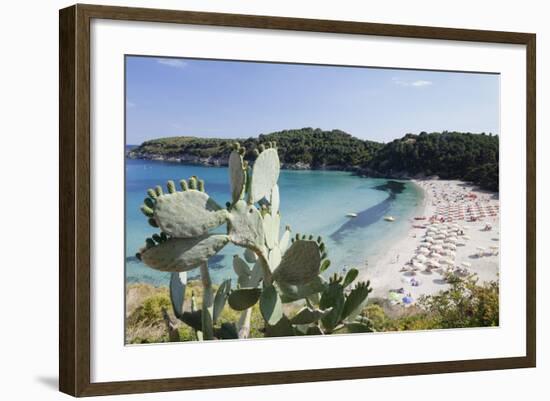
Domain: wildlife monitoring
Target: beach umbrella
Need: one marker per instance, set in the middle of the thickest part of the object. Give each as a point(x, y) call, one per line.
point(418, 265)
point(467, 237)
point(448, 262)
point(466, 264)
point(480, 248)
point(421, 258)
point(435, 263)
point(408, 300)
point(436, 256)
point(424, 251)
point(451, 246)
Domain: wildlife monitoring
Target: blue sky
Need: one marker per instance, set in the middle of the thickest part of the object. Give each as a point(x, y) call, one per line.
point(231, 99)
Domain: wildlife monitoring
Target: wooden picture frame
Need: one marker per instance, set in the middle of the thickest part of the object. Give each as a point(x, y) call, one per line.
point(75, 207)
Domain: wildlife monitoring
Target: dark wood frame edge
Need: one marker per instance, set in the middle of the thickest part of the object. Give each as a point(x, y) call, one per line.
point(74, 199)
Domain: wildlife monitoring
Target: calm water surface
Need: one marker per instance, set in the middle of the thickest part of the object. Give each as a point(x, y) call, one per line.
point(313, 202)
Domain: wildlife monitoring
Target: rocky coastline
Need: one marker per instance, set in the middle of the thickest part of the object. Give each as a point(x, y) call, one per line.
point(223, 161)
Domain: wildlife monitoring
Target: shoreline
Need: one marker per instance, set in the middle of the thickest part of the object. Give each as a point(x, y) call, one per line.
point(386, 273)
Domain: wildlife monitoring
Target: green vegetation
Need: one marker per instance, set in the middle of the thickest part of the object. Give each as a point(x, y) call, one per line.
point(314, 147)
point(449, 155)
point(465, 304)
point(321, 148)
point(275, 269)
point(145, 323)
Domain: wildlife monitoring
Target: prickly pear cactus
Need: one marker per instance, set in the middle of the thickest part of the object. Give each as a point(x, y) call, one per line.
point(275, 269)
point(186, 217)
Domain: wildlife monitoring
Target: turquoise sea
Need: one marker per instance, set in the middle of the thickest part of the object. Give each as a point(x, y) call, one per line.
point(313, 202)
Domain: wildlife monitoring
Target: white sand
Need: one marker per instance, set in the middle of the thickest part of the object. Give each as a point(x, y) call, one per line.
point(385, 274)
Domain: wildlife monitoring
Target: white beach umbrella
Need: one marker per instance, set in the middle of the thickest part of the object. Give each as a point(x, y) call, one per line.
point(466, 264)
point(421, 258)
point(466, 237)
point(418, 265)
point(435, 263)
point(436, 256)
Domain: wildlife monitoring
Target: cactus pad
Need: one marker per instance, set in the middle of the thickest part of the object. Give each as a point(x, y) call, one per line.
point(356, 300)
point(178, 283)
point(271, 230)
point(188, 214)
point(183, 254)
point(256, 275)
point(282, 329)
point(271, 306)
point(250, 256)
point(240, 267)
point(293, 293)
point(219, 300)
point(275, 200)
point(300, 263)
point(237, 176)
point(284, 241)
point(351, 275)
point(274, 258)
point(244, 298)
point(265, 174)
point(246, 227)
point(333, 297)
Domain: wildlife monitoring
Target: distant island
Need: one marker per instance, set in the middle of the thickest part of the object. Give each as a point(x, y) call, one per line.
point(448, 155)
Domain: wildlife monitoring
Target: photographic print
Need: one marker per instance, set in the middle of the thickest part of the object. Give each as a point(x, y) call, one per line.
point(276, 199)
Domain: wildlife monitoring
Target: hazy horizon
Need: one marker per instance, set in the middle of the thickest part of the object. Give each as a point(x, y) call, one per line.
point(168, 97)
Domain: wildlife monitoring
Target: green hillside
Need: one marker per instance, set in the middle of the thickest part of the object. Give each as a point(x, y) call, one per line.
point(449, 155)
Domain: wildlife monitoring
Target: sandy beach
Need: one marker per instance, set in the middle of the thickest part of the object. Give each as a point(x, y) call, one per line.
point(457, 230)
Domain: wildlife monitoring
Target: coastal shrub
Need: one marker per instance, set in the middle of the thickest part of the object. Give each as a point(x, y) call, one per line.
point(406, 319)
point(465, 304)
point(146, 323)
